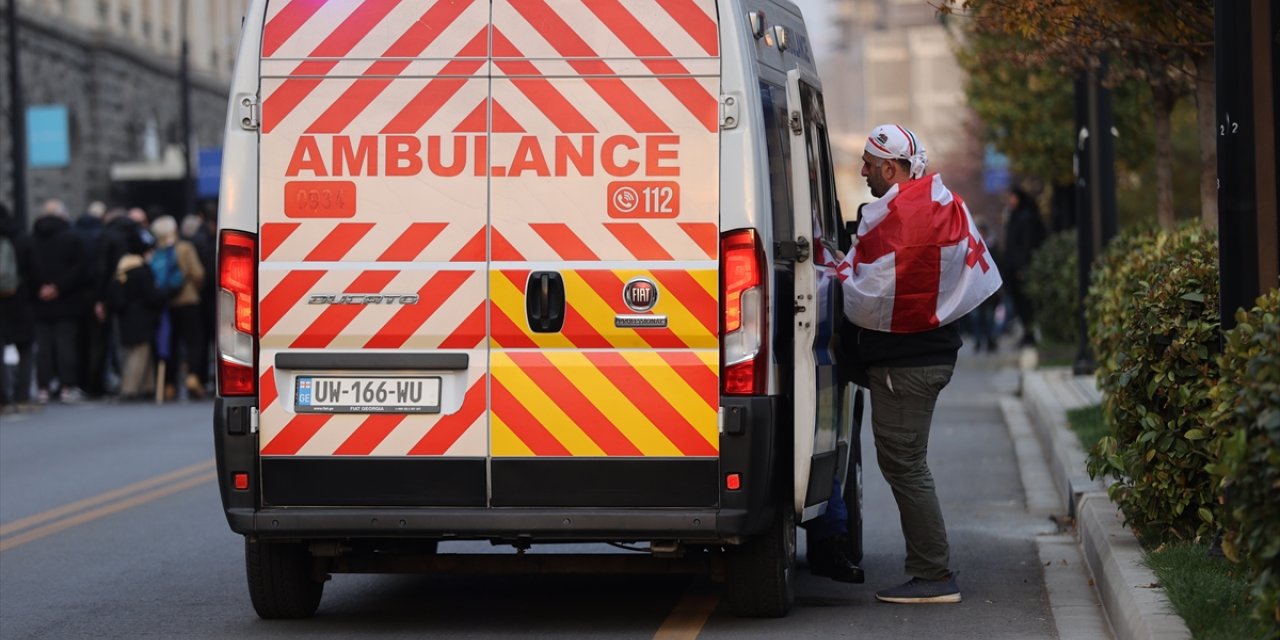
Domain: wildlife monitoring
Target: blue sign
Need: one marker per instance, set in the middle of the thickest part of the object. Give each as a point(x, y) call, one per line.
point(48, 143)
point(208, 172)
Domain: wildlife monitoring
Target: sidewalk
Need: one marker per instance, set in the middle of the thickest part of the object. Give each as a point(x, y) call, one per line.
point(1135, 605)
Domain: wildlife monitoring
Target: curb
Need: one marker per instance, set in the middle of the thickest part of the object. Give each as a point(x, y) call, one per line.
point(1137, 608)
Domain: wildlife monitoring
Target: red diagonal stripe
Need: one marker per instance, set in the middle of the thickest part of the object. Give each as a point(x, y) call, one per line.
point(283, 297)
point(336, 317)
point(705, 234)
point(267, 389)
point(502, 249)
point(338, 242)
point(439, 90)
point(564, 241)
point(473, 250)
point(602, 431)
point(632, 33)
point(469, 333)
point(652, 402)
point(696, 23)
point(274, 234)
point(580, 332)
point(615, 92)
point(369, 434)
point(420, 34)
point(446, 431)
point(409, 318)
point(295, 434)
point(410, 244)
point(701, 378)
point(539, 91)
point(532, 433)
point(279, 29)
point(353, 29)
point(638, 241)
point(506, 333)
point(608, 286)
point(692, 296)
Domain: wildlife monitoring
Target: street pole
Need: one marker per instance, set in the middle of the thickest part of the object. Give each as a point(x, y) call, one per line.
point(1247, 163)
point(17, 120)
point(1096, 192)
point(184, 82)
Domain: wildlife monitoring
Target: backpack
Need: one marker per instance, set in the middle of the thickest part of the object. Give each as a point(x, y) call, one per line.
point(9, 279)
point(169, 278)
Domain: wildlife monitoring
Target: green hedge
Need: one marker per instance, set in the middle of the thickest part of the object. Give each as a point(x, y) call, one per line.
point(1247, 413)
point(1052, 286)
point(1154, 328)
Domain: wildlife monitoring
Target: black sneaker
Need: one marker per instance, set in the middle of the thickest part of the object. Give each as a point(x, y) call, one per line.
point(828, 559)
point(921, 591)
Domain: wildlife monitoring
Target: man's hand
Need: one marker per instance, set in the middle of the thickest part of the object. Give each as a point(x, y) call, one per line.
point(100, 311)
point(48, 292)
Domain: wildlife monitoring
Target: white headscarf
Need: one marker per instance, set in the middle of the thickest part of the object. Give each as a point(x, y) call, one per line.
point(896, 142)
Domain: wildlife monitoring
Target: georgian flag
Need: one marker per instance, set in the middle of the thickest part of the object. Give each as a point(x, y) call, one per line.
point(918, 261)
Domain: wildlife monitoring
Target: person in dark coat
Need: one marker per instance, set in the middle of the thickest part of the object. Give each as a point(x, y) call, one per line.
point(58, 276)
point(93, 338)
point(17, 325)
point(135, 301)
point(112, 245)
point(1023, 233)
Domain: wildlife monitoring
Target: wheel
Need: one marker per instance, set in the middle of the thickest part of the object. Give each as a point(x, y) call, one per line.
point(760, 573)
point(282, 583)
point(853, 480)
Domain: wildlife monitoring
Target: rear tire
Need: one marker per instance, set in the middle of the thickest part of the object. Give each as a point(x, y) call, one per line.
point(760, 573)
point(282, 583)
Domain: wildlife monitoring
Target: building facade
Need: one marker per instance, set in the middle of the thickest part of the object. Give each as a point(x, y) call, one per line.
point(896, 64)
point(101, 86)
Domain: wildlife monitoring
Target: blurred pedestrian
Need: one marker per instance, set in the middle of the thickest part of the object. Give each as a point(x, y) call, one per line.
point(93, 334)
point(982, 320)
point(179, 275)
point(1023, 233)
point(202, 235)
point(134, 299)
point(58, 268)
point(112, 245)
point(17, 326)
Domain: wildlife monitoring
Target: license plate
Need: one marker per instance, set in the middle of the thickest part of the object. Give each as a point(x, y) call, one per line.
point(343, 394)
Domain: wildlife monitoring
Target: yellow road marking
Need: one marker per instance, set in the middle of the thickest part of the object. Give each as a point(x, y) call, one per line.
point(689, 616)
point(111, 502)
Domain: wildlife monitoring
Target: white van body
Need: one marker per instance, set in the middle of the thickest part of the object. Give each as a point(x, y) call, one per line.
point(526, 271)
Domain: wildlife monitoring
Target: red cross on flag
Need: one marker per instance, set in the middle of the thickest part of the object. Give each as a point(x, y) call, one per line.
point(918, 261)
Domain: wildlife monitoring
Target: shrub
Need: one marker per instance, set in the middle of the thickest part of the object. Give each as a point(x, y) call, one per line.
point(1112, 278)
point(1052, 286)
point(1159, 372)
point(1247, 413)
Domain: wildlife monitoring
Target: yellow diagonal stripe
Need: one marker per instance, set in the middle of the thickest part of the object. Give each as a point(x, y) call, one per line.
point(678, 392)
point(504, 441)
point(598, 313)
point(710, 281)
point(682, 321)
point(615, 405)
point(536, 402)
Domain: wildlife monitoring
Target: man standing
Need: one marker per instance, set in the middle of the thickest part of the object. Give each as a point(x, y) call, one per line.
point(58, 278)
point(918, 264)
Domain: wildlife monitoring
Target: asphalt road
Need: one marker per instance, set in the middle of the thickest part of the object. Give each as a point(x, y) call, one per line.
point(110, 527)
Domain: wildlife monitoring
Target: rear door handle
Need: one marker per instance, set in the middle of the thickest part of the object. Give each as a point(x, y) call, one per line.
point(544, 301)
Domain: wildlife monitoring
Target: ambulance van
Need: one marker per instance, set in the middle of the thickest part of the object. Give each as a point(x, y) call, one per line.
point(531, 272)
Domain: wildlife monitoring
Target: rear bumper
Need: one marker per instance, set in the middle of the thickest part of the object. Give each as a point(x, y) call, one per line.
point(569, 499)
point(557, 524)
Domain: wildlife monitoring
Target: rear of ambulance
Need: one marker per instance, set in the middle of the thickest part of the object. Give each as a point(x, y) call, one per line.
point(471, 279)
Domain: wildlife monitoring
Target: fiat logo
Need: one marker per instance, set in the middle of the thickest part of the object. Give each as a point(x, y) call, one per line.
point(640, 294)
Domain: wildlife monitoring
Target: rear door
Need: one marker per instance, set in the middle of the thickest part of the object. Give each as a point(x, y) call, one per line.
point(374, 245)
point(816, 221)
point(604, 210)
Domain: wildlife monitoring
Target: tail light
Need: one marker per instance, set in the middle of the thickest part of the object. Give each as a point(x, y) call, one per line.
point(744, 359)
point(237, 321)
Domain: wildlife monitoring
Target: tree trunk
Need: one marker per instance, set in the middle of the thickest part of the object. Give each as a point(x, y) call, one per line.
point(1164, 100)
point(1206, 117)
